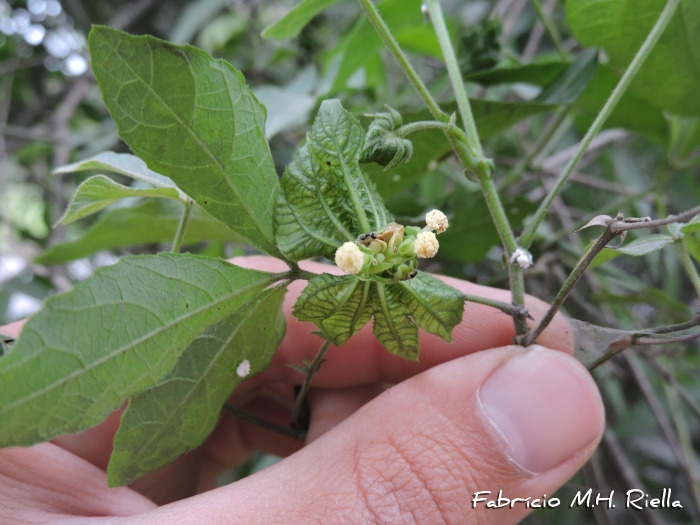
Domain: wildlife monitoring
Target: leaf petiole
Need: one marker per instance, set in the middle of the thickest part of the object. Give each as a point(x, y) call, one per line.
point(182, 226)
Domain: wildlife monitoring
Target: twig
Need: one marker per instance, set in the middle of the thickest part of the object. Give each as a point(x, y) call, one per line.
point(310, 372)
point(568, 285)
point(267, 425)
point(624, 225)
point(528, 234)
point(551, 28)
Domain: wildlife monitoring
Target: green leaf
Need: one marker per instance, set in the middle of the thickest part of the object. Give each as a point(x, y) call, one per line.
point(670, 77)
point(684, 143)
point(646, 245)
point(291, 24)
point(692, 241)
point(693, 226)
point(631, 112)
point(338, 305)
point(152, 222)
point(392, 325)
point(434, 306)
point(177, 414)
point(112, 336)
point(431, 146)
point(193, 119)
point(341, 305)
point(537, 73)
point(326, 200)
point(98, 192)
point(569, 85)
point(123, 164)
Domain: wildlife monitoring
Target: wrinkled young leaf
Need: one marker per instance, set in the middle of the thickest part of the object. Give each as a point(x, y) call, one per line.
point(152, 222)
point(123, 164)
point(291, 24)
point(621, 26)
point(193, 119)
point(177, 414)
point(98, 192)
point(111, 337)
point(341, 305)
point(430, 146)
point(326, 200)
point(338, 305)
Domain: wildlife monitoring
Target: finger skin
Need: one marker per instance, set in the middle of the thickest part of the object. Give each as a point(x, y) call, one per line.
point(415, 454)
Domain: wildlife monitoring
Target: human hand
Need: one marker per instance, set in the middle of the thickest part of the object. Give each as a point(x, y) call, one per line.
point(462, 420)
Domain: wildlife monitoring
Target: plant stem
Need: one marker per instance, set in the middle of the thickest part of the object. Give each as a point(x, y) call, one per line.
point(529, 233)
point(182, 226)
point(312, 369)
point(550, 27)
point(407, 129)
point(636, 224)
point(448, 53)
point(391, 43)
point(262, 423)
point(569, 284)
point(688, 265)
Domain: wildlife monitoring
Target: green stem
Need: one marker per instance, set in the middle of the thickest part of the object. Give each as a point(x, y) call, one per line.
point(448, 52)
point(688, 265)
point(529, 233)
point(311, 371)
point(182, 226)
point(391, 43)
point(550, 27)
point(569, 284)
point(407, 129)
point(262, 423)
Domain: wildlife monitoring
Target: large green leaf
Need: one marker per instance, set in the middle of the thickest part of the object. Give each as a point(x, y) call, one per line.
point(429, 146)
point(179, 413)
point(670, 77)
point(325, 197)
point(152, 222)
point(291, 24)
point(632, 112)
point(123, 164)
point(98, 192)
point(112, 336)
point(193, 119)
point(341, 305)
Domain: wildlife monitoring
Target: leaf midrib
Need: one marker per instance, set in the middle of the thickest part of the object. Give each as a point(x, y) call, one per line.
point(119, 351)
point(193, 134)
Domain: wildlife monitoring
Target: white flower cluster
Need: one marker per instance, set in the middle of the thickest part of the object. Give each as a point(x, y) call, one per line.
point(437, 221)
point(243, 369)
point(426, 245)
point(349, 258)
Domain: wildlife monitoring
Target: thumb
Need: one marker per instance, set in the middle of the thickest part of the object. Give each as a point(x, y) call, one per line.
point(511, 420)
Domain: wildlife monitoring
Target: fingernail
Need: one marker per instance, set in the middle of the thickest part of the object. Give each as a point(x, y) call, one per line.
point(544, 407)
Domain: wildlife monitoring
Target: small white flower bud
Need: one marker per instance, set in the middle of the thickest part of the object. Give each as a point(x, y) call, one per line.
point(243, 369)
point(522, 258)
point(349, 258)
point(436, 220)
point(426, 245)
point(424, 9)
